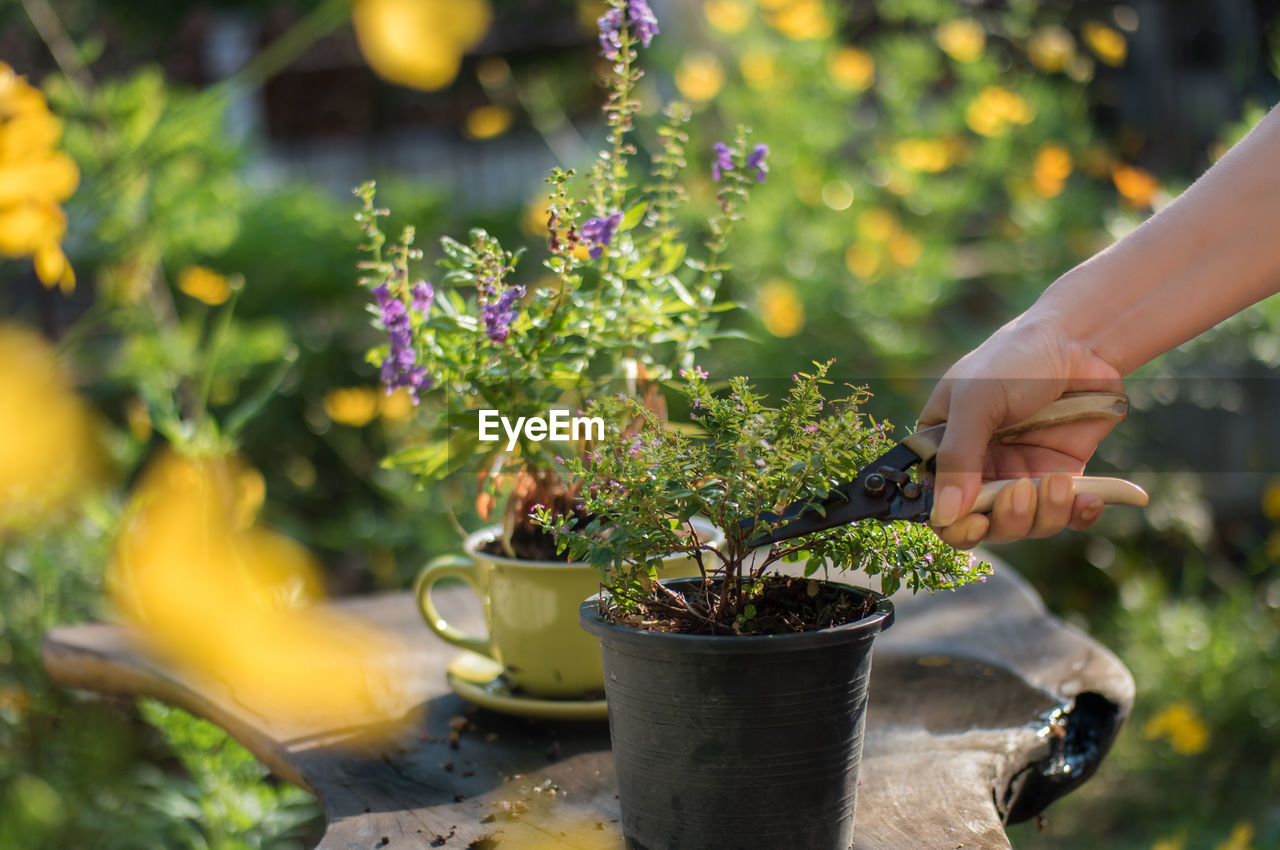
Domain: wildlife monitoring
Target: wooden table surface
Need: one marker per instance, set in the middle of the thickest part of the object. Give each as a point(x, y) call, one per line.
point(984, 709)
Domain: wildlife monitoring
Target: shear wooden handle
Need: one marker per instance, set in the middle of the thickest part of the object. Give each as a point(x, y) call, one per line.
point(1113, 491)
point(1070, 407)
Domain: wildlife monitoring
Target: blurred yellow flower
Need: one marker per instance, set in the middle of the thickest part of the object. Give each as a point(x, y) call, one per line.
point(901, 183)
point(1241, 838)
point(485, 122)
point(780, 307)
point(851, 68)
point(837, 194)
point(204, 284)
point(1135, 185)
point(905, 249)
point(49, 454)
point(996, 109)
point(396, 406)
point(758, 69)
point(534, 220)
point(773, 5)
point(354, 406)
point(862, 261)
point(217, 593)
point(418, 43)
point(802, 20)
point(34, 179)
point(1179, 724)
point(963, 39)
point(1172, 843)
point(1271, 500)
point(1051, 49)
point(727, 15)
point(877, 224)
point(927, 155)
point(1106, 43)
point(52, 177)
point(1051, 170)
point(699, 77)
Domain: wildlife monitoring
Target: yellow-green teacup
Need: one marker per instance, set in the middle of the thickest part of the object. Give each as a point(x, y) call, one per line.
point(531, 610)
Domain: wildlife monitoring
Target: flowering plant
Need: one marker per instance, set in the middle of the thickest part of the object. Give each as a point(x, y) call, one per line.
point(624, 298)
point(643, 485)
point(38, 177)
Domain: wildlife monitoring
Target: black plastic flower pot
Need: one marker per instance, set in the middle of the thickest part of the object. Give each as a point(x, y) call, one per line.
point(738, 743)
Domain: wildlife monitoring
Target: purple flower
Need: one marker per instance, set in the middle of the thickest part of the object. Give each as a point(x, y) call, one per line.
point(423, 294)
point(644, 22)
point(610, 41)
point(644, 25)
point(811, 428)
point(723, 161)
point(400, 369)
point(599, 232)
point(756, 160)
point(498, 315)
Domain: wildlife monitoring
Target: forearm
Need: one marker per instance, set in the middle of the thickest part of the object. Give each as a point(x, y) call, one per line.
point(1209, 254)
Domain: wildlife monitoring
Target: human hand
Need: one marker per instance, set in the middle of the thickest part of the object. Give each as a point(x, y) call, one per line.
point(1021, 368)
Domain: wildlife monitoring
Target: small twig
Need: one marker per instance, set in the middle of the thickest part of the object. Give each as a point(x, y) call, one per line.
point(775, 556)
point(697, 553)
point(684, 603)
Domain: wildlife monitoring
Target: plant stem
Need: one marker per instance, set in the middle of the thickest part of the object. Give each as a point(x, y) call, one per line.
point(217, 339)
point(63, 49)
point(281, 53)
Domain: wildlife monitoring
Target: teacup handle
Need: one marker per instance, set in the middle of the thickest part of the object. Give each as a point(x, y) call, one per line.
point(448, 566)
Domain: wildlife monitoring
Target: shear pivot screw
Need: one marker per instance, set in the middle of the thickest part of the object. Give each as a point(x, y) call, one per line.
point(911, 490)
point(874, 485)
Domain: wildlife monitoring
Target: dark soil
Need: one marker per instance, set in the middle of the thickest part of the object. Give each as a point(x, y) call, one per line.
point(530, 543)
point(784, 605)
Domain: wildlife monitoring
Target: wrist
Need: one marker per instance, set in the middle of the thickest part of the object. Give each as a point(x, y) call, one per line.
point(1078, 313)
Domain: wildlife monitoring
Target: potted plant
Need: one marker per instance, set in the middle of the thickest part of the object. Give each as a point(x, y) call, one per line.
point(623, 299)
point(737, 698)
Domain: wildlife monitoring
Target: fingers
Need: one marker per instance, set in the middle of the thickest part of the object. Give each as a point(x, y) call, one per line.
point(966, 532)
point(1014, 512)
point(1054, 499)
point(1023, 510)
point(1085, 512)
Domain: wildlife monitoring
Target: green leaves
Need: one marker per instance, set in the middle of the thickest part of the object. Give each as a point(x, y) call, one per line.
point(745, 458)
point(633, 217)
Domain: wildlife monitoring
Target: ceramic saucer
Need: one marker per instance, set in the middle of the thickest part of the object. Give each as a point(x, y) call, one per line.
point(479, 680)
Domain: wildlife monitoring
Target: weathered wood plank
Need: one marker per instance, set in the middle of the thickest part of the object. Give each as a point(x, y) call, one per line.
point(983, 708)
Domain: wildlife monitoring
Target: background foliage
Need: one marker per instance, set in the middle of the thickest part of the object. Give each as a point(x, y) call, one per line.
point(934, 164)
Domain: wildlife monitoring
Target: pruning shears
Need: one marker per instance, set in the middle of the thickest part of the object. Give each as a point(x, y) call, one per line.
point(885, 491)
